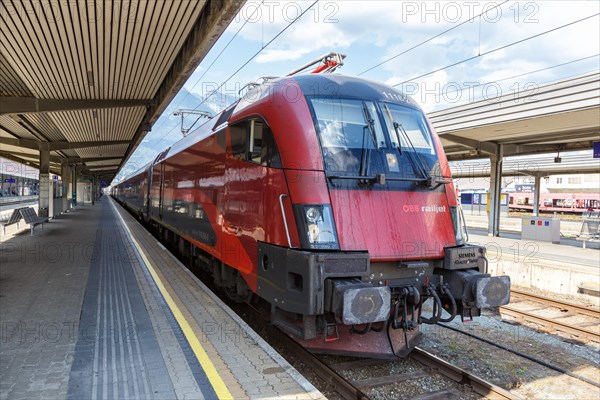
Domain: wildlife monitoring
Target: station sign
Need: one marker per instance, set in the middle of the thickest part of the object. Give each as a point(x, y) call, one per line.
point(10, 180)
point(54, 177)
point(596, 149)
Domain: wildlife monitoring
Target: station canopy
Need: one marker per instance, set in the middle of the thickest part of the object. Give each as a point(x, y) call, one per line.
point(551, 118)
point(86, 80)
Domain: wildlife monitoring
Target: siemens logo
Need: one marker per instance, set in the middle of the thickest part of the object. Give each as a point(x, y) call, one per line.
point(467, 255)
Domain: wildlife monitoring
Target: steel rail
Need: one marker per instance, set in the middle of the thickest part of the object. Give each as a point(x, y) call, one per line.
point(526, 356)
point(522, 295)
point(338, 383)
point(549, 324)
point(482, 387)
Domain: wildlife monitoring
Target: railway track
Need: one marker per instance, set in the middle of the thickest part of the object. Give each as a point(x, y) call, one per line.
point(480, 386)
point(582, 331)
point(357, 390)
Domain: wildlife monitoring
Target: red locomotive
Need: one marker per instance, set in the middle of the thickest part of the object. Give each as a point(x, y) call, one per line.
point(329, 197)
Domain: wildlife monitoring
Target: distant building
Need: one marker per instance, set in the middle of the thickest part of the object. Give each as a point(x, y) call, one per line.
point(583, 183)
point(17, 179)
point(588, 183)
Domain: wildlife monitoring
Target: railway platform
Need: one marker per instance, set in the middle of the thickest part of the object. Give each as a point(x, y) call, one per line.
point(94, 307)
point(545, 266)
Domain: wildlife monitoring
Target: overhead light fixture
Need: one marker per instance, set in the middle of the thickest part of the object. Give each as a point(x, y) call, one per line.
point(90, 78)
point(557, 159)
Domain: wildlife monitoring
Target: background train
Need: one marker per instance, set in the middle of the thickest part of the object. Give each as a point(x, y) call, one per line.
point(328, 197)
point(475, 202)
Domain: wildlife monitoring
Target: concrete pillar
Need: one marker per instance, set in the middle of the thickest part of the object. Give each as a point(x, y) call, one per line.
point(66, 179)
point(44, 179)
point(495, 191)
point(536, 196)
point(93, 190)
point(74, 187)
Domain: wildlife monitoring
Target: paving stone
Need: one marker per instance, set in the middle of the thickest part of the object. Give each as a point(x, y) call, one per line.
point(50, 352)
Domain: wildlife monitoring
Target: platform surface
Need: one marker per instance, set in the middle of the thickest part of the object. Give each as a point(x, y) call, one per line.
point(515, 247)
point(93, 307)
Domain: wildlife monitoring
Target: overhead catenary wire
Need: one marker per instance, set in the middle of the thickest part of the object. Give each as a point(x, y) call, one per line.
point(432, 38)
point(523, 74)
point(225, 48)
point(257, 53)
point(218, 56)
point(240, 68)
point(498, 49)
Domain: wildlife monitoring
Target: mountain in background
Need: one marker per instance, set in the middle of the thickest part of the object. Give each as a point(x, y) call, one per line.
point(167, 129)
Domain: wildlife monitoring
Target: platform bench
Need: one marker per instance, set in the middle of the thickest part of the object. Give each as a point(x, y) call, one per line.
point(587, 239)
point(14, 218)
point(589, 287)
point(32, 218)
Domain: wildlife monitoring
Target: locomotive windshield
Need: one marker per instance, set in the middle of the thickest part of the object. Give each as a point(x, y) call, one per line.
point(362, 138)
point(406, 120)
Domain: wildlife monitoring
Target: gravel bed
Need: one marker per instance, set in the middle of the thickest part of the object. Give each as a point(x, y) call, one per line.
point(523, 377)
point(401, 390)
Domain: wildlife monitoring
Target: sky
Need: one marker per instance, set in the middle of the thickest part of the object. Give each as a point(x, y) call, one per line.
point(442, 53)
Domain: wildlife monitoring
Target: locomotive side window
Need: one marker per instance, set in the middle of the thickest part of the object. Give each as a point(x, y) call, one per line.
point(256, 141)
point(253, 141)
point(239, 139)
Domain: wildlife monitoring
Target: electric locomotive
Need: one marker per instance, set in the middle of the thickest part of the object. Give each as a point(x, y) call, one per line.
point(330, 198)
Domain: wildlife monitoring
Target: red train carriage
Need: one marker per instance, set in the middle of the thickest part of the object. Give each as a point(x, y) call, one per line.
point(330, 198)
point(559, 202)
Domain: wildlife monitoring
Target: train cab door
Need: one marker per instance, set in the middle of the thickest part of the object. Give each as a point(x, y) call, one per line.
point(254, 182)
point(156, 187)
point(161, 190)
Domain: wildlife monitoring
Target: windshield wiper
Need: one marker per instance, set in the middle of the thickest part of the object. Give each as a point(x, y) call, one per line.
point(365, 158)
point(418, 165)
point(363, 169)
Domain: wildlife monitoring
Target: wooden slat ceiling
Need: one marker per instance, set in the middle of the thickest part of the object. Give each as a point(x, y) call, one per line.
point(113, 51)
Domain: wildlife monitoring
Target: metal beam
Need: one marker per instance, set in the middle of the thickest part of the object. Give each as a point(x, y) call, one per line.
point(54, 146)
point(80, 160)
point(455, 153)
point(101, 168)
point(27, 143)
point(29, 163)
point(15, 158)
point(59, 159)
point(28, 105)
point(211, 23)
point(80, 145)
point(483, 147)
point(29, 157)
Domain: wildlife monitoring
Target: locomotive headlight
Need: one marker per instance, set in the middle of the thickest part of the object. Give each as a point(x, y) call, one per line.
point(313, 233)
point(312, 214)
point(316, 228)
